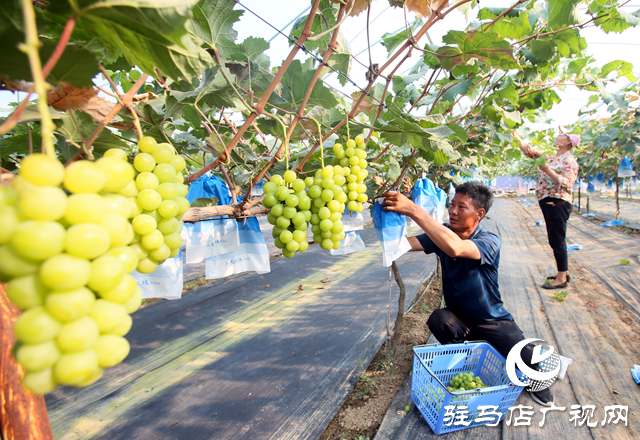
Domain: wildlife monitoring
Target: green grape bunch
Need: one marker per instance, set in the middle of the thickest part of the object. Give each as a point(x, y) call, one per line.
point(289, 205)
point(353, 161)
point(158, 203)
point(69, 240)
point(328, 205)
point(466, 382)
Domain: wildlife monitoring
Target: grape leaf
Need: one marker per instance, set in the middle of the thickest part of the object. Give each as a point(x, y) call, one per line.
point(253, 49)
point(459, 89)
point(212, 23)
point(77, 125)
point(401, 82)
point(342, 63)
point(214, 91)
point(624, 68)
point(514, 25)
point(31, 114)
point(392, 40)
point(487, 47)
point(630, 147)
point(563, 13)
point(296, 81)
point(186, 142)
point(430, 58)
point(617, 20)
point(76, 66)
point(604, 93)
point(11, 16)
point(19, 144)
point(423, 163)
point(147, 34)
point(459, 133)
point(394, 169)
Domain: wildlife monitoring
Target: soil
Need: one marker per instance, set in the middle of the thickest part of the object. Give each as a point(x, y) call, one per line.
point(361, 415)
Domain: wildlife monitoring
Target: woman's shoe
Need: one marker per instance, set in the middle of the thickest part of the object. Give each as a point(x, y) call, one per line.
point(550, 286)
point(553, 277)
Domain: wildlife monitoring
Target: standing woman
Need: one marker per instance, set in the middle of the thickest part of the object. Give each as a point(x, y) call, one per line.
point(554, 189)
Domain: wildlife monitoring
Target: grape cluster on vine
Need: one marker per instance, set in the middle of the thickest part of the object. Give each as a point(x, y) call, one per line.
point(160, 203)
point(289, 214)
point(319, 200)
point(69, 239)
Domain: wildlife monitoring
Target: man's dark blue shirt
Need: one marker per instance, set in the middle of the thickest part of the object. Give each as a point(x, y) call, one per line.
point(470, 287)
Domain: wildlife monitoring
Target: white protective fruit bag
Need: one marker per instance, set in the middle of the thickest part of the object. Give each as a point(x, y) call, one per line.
point(352, 221)
point(214, 236)
point(391, 228)
point(211, 237)
point(165, 282)
point(352, 242)
point(251, 256)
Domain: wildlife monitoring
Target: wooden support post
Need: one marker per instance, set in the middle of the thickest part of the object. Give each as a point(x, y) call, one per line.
point(579, 196)
point(617, 198)
point(22, 415)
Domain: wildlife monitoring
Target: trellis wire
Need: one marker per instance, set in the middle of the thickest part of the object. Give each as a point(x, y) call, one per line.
point(315, 57)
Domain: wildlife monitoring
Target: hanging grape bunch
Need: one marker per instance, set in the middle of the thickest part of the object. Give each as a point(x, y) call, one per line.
point(159, 203)
point(353, 162)
point(66, 254)
point(289, 214)
point(328, 204)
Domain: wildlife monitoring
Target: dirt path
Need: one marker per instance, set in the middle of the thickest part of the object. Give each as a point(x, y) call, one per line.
point(596, 326)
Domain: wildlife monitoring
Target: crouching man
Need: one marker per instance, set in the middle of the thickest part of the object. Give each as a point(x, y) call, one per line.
point(470, 257)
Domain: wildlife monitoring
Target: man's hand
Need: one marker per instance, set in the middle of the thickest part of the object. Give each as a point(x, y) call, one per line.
point(397, 202)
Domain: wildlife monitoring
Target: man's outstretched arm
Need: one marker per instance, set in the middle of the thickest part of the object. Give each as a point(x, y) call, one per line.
point(443, 237)
point(415, 244)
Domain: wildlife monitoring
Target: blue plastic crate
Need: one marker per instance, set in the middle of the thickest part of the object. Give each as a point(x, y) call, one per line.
point(435, 365)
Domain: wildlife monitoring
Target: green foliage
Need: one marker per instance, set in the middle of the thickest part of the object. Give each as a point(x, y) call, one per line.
point(204, 202)
point(471, 90)
point(295, 83)
point(212, 24)
point(560, 296)
point(563, 13)
point(392, 41)
point(624, 262)
point(514, 25)
point(486, 47)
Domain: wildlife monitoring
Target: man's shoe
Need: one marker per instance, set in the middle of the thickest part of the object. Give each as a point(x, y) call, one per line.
point(543, 397)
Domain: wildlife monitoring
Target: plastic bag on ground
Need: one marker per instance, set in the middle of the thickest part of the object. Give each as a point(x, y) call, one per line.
point(574, 247)
point(391, 228)
point(352, 242)
point(251, 256)
point(165, 282)
point(612, 223)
